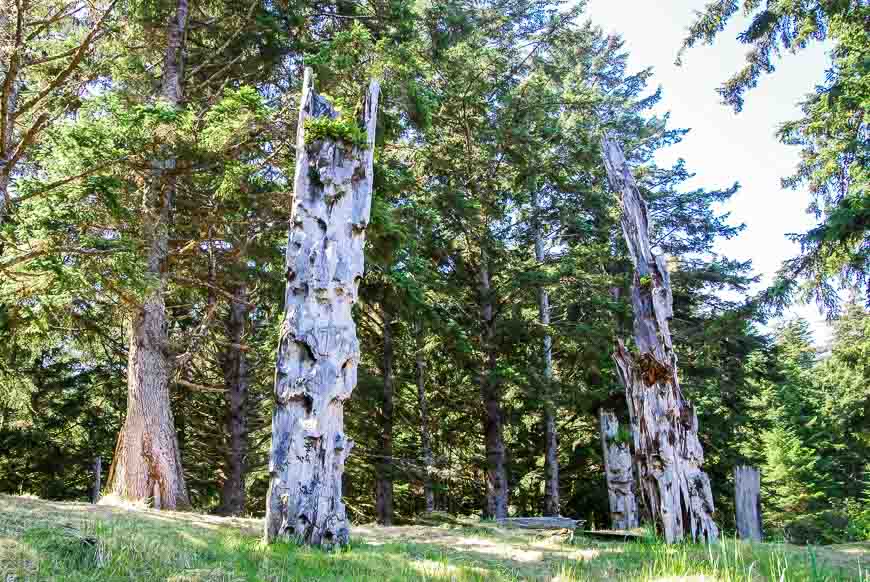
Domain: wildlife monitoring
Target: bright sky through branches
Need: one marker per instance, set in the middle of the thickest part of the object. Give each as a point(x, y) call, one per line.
point(723, 146)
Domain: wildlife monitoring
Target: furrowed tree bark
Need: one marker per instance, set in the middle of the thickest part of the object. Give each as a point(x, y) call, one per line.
point(664, 424)
point(318, 352)
point(618, 472)
point(551, 444)
point(384, 477)
point(490, 392)
point(235, 370)
point(7, 119)
point(13, 36)
point(147, 463)
point(747, 502)
point(423, 405)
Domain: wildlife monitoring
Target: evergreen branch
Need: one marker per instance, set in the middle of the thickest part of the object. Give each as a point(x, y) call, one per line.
point(61, 77)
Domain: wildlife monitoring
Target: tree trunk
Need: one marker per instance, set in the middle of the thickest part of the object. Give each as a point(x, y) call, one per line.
point(425, 438)
point(551, 445)
point(490, 392)
point(147, 463)
point(384, 478)
point(98, 478)
point(747, 502)
point(318, 352)
point(235, 370)
point(664, 424)
point(4, 197)
point(7, 123)
point(618, 471)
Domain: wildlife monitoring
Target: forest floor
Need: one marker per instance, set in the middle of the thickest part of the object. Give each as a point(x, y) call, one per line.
point(48, 540)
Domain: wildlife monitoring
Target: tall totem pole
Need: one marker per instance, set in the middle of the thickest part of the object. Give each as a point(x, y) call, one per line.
point(318, 351)
point(664, 424)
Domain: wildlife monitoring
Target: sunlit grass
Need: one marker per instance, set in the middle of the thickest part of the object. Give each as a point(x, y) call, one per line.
point(76, 542)
point(730, 560)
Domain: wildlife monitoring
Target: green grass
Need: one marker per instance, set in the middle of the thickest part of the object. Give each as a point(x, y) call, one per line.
point(42, 540)
point(728, 561)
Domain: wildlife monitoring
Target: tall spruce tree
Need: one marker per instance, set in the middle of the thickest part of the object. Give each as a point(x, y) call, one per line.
point(832, 134)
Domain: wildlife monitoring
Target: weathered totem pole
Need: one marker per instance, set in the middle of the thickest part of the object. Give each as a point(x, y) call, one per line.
point(551, 440)
point(618, 471)
point(318, 351)
point(747, 502)
point(664, 424)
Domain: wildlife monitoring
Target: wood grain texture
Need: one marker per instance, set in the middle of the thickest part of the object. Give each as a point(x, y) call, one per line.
point(747, 502)
point(664, 425)
point(619, 472)
point(318, 351)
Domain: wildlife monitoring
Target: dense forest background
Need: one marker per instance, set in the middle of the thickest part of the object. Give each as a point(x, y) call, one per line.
point(489, 187)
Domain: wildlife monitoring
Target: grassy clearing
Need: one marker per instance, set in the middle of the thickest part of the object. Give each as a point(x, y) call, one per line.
point(43, 540)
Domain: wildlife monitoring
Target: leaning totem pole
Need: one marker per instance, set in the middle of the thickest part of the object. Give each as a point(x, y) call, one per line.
point(669, 456)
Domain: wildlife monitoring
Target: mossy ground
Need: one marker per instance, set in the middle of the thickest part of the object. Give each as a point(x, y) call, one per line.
point(45, 540)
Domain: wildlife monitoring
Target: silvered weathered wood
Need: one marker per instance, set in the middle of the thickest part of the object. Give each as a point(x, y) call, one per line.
point(747, 502)
point(318, 351)
point(618, 470)
point(551, 522)
point(664, 423)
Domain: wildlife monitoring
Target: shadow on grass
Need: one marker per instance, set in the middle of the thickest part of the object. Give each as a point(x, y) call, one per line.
point(144, 547)
point(76, 542)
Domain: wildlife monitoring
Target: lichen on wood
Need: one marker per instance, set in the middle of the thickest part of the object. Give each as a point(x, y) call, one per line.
point(318, 351)
point(669, 455)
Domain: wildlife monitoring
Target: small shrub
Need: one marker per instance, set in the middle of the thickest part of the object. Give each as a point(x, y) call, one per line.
point(645, 282)
point(859, 519)
point(824, 527)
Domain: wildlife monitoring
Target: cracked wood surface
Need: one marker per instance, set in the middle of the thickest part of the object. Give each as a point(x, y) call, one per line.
point(619, 473)
point(747, 502)
point(664, 425)
point(318, 352)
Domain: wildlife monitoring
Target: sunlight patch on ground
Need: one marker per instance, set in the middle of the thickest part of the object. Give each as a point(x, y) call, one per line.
point(859, 549)
point(141, 541)
point(440, 569)
point(499, 549)
point(206, 575)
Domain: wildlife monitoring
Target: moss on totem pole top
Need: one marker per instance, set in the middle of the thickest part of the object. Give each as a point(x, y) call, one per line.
point(341, 128)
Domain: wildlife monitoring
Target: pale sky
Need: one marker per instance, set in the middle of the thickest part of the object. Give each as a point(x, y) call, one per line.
point(724, 147)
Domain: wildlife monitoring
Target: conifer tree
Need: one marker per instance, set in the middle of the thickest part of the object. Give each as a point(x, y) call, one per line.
point(832, 134)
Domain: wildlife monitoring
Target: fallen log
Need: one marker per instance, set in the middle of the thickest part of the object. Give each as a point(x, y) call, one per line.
point(540, 522)
point(612, 534)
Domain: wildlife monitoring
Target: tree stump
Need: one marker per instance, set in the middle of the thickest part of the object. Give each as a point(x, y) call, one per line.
point(618, 471)
point(747, 502)
point(318, 350)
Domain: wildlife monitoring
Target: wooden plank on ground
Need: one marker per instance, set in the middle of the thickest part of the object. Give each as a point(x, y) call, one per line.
point(540, 522)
